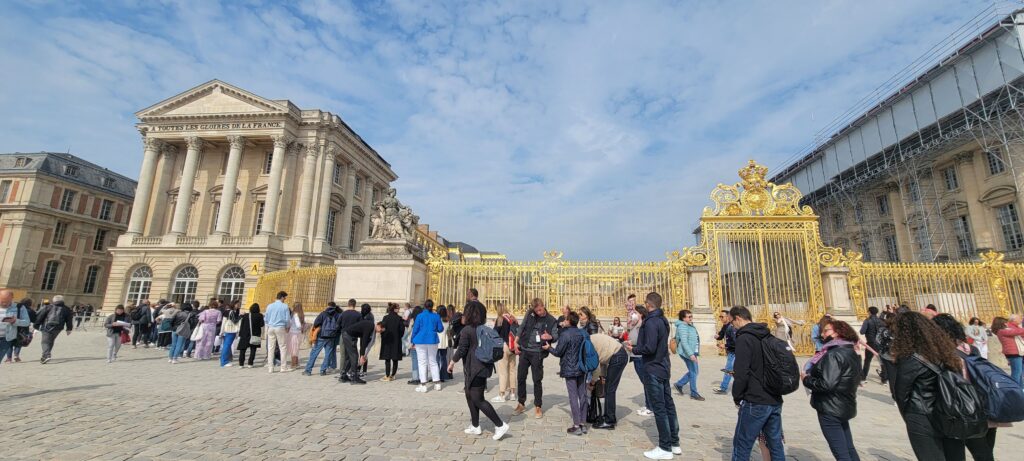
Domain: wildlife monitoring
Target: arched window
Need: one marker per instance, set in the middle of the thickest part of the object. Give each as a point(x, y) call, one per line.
point(185, 283)
point(232, 284)
point(139, 284)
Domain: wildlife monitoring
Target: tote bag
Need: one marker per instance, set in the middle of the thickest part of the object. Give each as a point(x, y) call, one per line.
point(197, 334)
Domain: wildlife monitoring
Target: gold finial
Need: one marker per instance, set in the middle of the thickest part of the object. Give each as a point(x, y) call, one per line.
point(753, 176)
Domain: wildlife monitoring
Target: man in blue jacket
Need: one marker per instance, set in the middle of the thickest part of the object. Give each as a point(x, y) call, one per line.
point(652, 344)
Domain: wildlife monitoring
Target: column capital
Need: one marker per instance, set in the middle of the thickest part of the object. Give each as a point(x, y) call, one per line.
point(293, 149)
point(236, 142)
point(281, 141)
point(194, 142)
point(152, 143)
point(169, 150)
point(312, 151)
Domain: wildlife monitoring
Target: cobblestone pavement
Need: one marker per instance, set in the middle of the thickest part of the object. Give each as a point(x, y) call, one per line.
point(78, 407)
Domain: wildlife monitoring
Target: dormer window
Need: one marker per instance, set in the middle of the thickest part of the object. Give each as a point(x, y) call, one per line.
point(109, 183)
point(22, 162)
point(71, 170)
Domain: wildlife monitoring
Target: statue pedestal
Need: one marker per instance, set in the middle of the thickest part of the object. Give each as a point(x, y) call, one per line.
point(382, 271)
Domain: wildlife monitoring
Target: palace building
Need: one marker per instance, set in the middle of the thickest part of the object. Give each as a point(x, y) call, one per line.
point(233, 185)
point(59, 215)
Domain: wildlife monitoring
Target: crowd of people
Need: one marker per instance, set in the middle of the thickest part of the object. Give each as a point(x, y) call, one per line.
point(920, 352)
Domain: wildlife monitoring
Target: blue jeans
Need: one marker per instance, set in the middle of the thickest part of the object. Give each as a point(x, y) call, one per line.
point(5, 347)
point(12, 351)
point(664, 408)
point(691, 375)
point(730, 358)
point(190, 346)
point(177, 346)
point(638, 366)
point(320, 345)
point(1015, 366)
point(753, 419)
point(415, 367)
point(225, 349)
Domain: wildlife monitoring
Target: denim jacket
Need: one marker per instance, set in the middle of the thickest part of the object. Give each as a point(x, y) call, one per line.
point(21, 313)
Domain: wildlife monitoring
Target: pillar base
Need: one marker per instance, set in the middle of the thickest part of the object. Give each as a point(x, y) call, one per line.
point(382, 271)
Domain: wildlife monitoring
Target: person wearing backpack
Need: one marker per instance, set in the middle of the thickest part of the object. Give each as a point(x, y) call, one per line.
point(760, 409)
point(507, 327)
point(142, 321)
point(50, 320)
point(652, 345)
point(869, 329)
point(14, 316)
point(833, 376)
point(328, 324)
point(475, 371)
point(922, 353)
point(688, 348)
point(570, 346)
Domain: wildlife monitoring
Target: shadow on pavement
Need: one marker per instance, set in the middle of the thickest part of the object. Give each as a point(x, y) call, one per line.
point(50, 391)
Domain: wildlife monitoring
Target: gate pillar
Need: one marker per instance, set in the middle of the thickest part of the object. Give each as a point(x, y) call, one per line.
point(836, 286)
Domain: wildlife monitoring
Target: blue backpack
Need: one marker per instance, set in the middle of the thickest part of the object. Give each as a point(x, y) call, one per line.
point(1005, 397)
point(330, 328)
point(489, 346)
point(589, 360)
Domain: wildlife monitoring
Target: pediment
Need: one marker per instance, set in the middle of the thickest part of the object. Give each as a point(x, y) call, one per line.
point(212, 98)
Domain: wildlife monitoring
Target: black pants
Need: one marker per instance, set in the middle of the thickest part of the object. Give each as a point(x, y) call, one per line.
point(242, 348)
point(837, 434)
point(868, 355)
point(163, 339)
point(533, 363)
point(616, 365)
point(351, 355)
point(982, 448)
point(930, 446)
point(141, 332)
point(477, 403)
point(390, 367)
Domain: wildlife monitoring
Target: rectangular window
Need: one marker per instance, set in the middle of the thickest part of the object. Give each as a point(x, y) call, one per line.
point(105, 209)
point(109, 183)
point(50, 275)
point(22, 162)
point(91, 275)
point(59, 231)
point(338, 172)
point(837, 221)
point(1010, 225)
point(359, 186)
point(67, 201)
point(914, 189)
point(949, 175)
point(267, 161)
point(883, 205)
point(71, 170)
point(259, 216)
point(101, 240)
point(924, 243)
point(964, 242)
point(5, 190)
point(996, 164)
point(865, 249)
point(858, 212)
point(376, 196)
point(215, 218)
point(891, 250)
point(331, 217)
point(352, 235)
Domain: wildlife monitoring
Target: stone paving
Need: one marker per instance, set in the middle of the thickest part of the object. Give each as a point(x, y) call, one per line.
point(78, 407)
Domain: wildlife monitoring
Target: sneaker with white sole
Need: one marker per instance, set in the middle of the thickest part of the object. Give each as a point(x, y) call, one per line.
point(498, 399)
point(421, 388)
point(471, 430)
point(437, 387)
point(677, 450)
point(658, 453)
point(646, 412)
point(640, 411)
point(500, 431)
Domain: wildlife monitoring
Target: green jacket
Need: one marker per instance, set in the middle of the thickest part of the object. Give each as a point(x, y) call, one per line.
point(687, 339)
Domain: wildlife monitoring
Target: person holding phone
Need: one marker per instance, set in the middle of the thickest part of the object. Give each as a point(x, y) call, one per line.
point(538, 328)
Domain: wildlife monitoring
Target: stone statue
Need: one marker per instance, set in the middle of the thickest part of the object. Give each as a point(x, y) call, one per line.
point(391, 219)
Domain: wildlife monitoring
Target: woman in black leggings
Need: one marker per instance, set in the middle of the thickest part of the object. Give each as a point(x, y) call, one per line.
point(476, 372)
point(249, 326)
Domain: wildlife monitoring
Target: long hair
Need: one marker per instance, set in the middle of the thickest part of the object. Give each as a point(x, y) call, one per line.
point(500, 310)
point(952, 327)
point(591, 318)
point(843, 330)
point(913, 334)
point(297, 310)
point(998, 323)
point(474, 314)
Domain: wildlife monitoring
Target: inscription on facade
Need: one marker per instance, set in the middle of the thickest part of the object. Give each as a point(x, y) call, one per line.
point(221, 126)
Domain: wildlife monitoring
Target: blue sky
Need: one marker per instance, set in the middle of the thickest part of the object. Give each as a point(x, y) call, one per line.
point(595, 128)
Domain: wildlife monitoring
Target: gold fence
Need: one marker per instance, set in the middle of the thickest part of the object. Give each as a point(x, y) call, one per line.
point(312, 286)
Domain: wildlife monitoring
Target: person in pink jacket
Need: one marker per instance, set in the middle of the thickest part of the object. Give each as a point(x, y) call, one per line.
point(1009, 333)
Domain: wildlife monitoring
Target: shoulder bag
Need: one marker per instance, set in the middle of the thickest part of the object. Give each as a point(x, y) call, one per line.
point(197, 333)
point(254, 339)
point(24, 337)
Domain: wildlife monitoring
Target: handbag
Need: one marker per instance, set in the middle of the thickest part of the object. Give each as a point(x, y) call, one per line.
point(24, 336)
point(197, 333)
point(1019, 340)
point(595, 413)
point(673, 345)
point(125, 339)
point(254, 339)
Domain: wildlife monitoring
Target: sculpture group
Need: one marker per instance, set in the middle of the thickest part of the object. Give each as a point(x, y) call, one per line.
point(392, 220)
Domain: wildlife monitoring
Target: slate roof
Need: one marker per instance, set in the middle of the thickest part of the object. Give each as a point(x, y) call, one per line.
point(54, 164)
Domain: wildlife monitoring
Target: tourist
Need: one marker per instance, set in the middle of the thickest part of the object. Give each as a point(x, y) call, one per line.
point(816, 332)
point(363, 332)
point(929, 311)
point(409, 323)
point(250, 334)
point(350, 316)
point(869, 329)
point(50, 320)
point(975, 331)
point(142, 321)
point(589, 322)
point(165, 320)
point(443, 342)
point(652, 346)
point(230, 324)
point(1009, 332)
point(759, 410)
point(367, 314)
point(633, 334)
point(688, 349)
point(391, 341)
point(570, 346)
point(190, 345)
point(727, 334)
point(14, 352)
point(918, 346)
point(784, 328)
point(328, 329)
point(425, 340)
point(617, 329)
point(475, 372)
point(832, 376)
point(15, 316)
point(276, 320)
point(296, 333)
point(182, 327)
point(208, 320)
point(115, 324)
point(538, 328)
point(506, 325)
point(154, 327)
point(612, 358)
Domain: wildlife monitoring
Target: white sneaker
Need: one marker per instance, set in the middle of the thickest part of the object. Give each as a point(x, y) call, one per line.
point(228, 364)
point(437, 387)
point(500, 431)
point(677, 451)
point(473, 430)
point(640, 411)
point(174, 361)
point(658, 453)
point(498, 399)
point(421, 388)
point(645, 412)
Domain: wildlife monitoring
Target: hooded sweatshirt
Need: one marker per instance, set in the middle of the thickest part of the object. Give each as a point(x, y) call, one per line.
point(749, 367)
point(652, 344)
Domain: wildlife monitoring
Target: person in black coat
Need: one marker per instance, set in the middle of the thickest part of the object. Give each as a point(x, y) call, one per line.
point(250, 326)
point(475, 371)
point(832, 376)
point(391, 341)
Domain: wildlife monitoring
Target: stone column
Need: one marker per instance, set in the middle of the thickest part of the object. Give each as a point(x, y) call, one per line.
point(367, 210)
point(346, 216)
point(306, 192)
point(188, 179)
point(144, 191)
point(980, 230)
point(158, 207)
point(227, 193)
point(269, 226)
point(899, 217)
point(325, 195)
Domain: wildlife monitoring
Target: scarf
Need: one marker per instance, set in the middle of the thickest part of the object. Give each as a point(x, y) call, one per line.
point(835, 342)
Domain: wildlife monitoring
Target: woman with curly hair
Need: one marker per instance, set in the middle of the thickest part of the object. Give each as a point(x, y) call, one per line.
point(832, 377)
point(918, 342)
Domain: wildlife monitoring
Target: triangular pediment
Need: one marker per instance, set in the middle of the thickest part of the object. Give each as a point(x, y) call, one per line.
point(213, 98)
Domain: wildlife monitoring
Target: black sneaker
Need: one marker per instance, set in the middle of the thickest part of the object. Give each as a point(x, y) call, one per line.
point(344, 379)
point(604, 425)
point(414, 382)
point(357, 380)
point(323, 373)
point(679, 389)
point(720, 391)
point(697, 397)
point(306, 373)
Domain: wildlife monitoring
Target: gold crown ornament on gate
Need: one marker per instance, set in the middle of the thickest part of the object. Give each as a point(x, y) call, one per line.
point(756, 196)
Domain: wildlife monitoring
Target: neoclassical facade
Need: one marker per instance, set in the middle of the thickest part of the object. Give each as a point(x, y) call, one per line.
point(232, 185)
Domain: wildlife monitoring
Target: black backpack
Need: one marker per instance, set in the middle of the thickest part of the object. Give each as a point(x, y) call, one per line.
point(136, 315)
point(781, 373)
point(330, 327)
point(960, 410)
